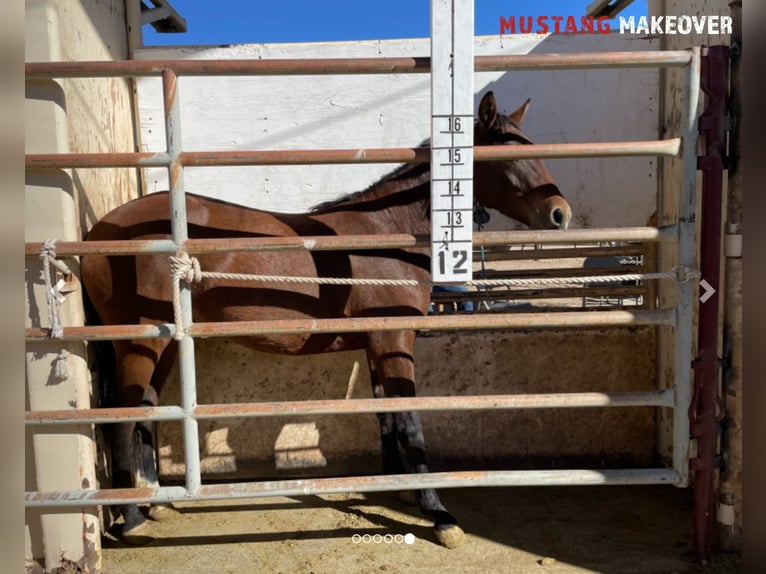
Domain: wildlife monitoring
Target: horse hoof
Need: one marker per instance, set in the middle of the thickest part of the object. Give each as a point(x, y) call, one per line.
point(139, 535)
point(163, 512)
point(410, 497)
point(449, 535)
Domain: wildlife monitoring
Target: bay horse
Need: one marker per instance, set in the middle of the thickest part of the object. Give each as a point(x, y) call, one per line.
point(138, 290)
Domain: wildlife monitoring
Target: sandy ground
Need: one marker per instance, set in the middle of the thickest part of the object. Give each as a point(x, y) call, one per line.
point(549, 530)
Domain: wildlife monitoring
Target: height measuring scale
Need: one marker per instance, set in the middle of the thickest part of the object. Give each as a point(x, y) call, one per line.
point(451, 140)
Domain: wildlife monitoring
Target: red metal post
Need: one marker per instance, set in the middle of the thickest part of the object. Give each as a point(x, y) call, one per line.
point(714, 81)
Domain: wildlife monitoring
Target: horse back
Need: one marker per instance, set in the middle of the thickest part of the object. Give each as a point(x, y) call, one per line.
point(138, 289)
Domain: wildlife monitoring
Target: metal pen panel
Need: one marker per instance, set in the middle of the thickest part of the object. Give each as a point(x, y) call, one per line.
point(175, 159)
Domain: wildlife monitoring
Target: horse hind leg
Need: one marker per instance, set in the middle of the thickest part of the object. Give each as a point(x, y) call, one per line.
point(149, 469)
point(395, 376)
point(133, 460)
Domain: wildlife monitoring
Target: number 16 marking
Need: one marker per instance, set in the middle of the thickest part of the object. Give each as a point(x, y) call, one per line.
point(460, 255)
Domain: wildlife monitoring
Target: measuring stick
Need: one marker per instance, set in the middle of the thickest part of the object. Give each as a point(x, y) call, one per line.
point(451, 140)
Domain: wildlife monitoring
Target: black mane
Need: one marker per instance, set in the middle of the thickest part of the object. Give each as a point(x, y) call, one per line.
point(407, 170)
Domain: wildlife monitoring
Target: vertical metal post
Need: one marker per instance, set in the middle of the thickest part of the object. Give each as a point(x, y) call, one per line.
point(711, 124)
point(729, 509)
point(686, 255)
point(186, 367)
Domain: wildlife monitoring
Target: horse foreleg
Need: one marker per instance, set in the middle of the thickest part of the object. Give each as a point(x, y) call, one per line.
point(395, 377)
point(389, 448)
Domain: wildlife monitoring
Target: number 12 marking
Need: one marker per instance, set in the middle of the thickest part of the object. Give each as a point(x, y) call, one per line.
point(460, 255)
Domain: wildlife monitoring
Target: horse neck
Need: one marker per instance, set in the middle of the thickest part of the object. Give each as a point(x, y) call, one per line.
point(397, 203)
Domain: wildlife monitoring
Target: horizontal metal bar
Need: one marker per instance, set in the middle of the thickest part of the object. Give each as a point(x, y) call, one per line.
point(354, 242)
point(559, 292)
point(103, 416)
point(117, 247)
point(270, 67)
point(564, 253)
point(669, 147)
point(575, 319)
point(261, 67)
point(592, 235)
point(96, 160)
point(102, 333)
point(583, 60)
point(314, 486)
point(652, 148)
point(663, 398)
point(305, 156)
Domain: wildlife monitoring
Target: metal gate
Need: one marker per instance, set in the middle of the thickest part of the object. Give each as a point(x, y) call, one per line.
point(681, 234)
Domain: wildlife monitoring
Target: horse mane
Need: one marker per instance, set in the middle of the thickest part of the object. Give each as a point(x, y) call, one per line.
point(402, 173)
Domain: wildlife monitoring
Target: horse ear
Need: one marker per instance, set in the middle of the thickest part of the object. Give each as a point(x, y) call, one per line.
point(518, 115)
point(487, 110)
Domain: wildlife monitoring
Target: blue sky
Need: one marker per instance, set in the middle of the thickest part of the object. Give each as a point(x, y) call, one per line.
point(257, 21)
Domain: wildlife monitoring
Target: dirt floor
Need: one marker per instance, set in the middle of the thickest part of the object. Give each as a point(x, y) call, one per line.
point(551, 530)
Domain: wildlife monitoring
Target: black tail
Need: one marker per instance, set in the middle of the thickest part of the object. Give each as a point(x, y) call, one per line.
point(102, 360)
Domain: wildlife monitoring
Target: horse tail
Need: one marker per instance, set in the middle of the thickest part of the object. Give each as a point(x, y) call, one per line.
point(102, 359)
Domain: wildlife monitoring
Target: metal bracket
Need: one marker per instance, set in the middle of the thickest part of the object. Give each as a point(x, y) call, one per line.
point(163, 17)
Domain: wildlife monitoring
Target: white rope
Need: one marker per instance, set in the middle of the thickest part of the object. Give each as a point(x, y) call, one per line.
point(54, 300)
point(48, 255)
point(60, 367)
point(188, 269)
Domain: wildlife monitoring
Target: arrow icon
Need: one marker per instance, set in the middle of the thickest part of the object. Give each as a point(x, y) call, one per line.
point(708, 291)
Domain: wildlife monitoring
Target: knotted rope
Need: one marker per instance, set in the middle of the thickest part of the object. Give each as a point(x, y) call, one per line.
point(48, 256)
point(54, 301)
point(188, 269)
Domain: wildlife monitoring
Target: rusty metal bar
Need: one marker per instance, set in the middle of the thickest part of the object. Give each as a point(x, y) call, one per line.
point(654, 148)
point(102, 333)
point(353, 406)
point(404, 65)
point(306, 486)
point(587, 60)
point(563, 253)
point(560, 272)
point(96, 160)
point(559, 292)
point(266, 67)
point(352, 242)
point(574, 319)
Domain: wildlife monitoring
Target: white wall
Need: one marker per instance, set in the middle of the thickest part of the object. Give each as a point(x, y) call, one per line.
point(306, 112)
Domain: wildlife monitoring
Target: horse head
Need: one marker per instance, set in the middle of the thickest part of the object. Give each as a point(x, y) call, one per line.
point(521, 189)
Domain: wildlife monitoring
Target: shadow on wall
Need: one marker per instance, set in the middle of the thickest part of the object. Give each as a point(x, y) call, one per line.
point(612, 360)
